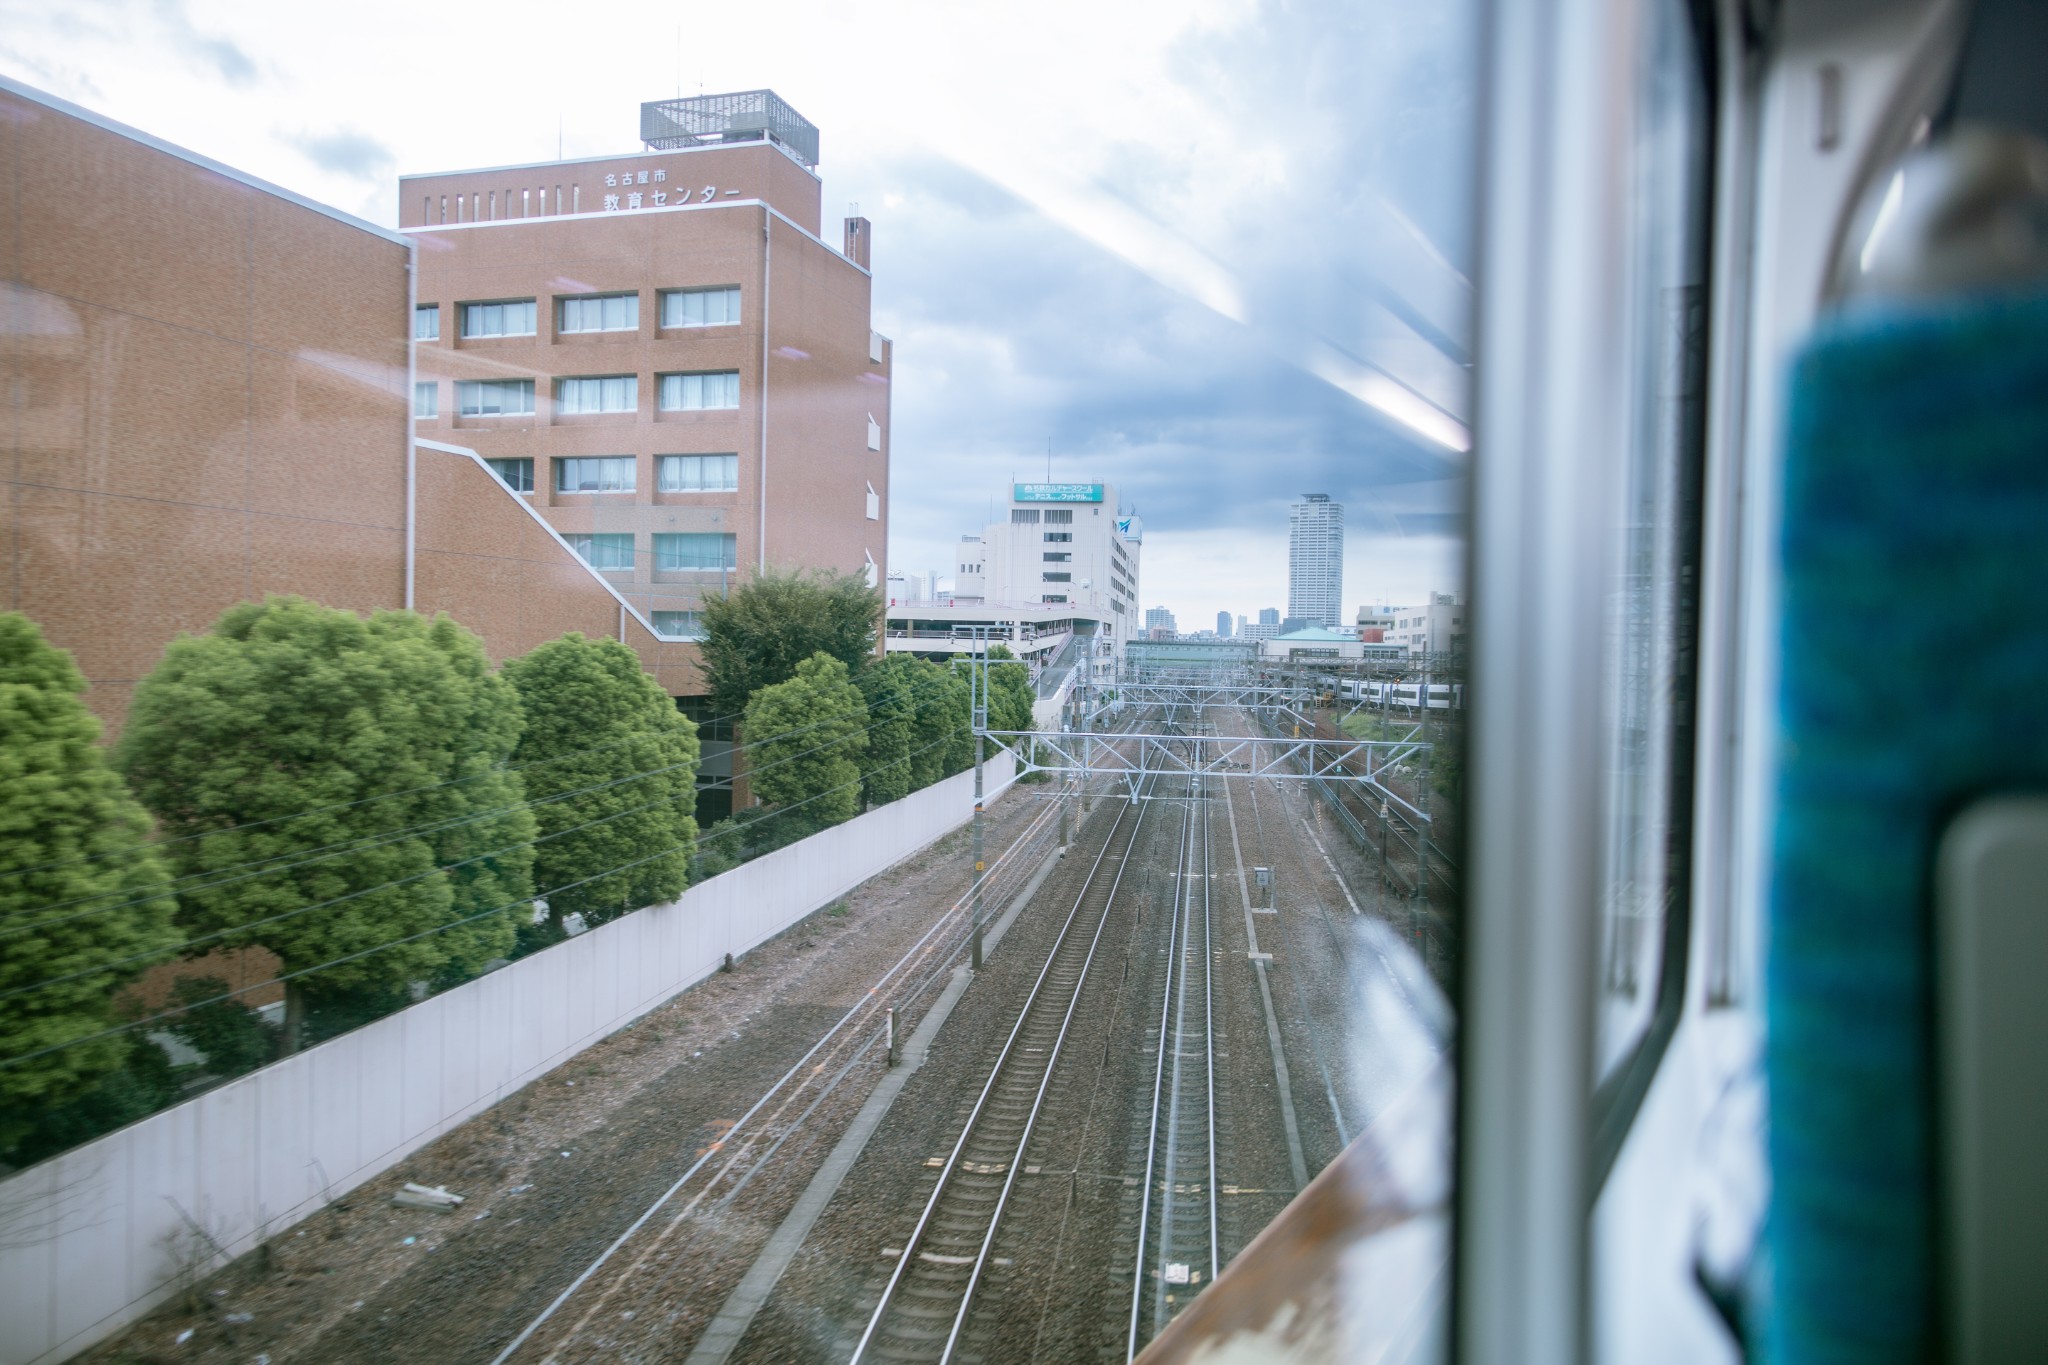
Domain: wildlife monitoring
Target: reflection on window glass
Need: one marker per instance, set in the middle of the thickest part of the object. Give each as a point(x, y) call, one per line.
point(1135, 339)
point(1652, 601)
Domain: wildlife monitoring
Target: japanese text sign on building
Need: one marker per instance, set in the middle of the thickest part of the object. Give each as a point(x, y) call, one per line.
point(1058, 492)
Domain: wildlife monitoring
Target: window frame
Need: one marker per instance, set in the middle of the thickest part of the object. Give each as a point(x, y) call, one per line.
point(527, 460)
point(422, 312)
point(469, 386)
point(661, 386)
point(728, 540)
point(613, 463)
point(563, 385)
point(729, 292)
point(661, 463)
point(463, 317)
point(610, 538)
point(564, 302)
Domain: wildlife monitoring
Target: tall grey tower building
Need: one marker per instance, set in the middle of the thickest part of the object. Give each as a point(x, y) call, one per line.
point(1315, 560)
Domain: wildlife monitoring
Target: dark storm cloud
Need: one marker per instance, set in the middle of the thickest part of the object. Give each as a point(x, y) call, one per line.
point(346, 153)
point(1010, 330)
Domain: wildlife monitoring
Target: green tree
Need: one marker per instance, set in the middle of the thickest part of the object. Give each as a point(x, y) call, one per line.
point(805, 740)
point(84, 902)
point(335, 789)
point(756, 635)
point(1010, 694)
point(942, 742)
point(889, 691)
point(611, 772)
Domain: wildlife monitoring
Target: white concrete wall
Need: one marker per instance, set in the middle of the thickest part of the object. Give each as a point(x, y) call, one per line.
point(84, 1236)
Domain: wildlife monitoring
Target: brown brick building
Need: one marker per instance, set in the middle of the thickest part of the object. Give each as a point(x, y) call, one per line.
point(210, 381)
point(206, 380)
point(661, 355)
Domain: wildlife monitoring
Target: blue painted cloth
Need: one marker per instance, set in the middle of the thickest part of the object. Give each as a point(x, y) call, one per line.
point(1914, 677)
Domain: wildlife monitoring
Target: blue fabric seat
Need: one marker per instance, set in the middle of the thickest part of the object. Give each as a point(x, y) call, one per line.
point(1914, 677)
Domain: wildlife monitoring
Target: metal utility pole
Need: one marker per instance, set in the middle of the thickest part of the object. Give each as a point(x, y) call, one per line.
point(978, 691)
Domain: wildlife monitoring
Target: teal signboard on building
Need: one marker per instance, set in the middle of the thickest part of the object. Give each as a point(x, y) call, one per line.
point(1057, 492)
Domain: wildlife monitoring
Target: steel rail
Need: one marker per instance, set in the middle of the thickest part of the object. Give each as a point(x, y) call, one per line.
point(952, 1163)
point(870, 1004)
point(1173, 945)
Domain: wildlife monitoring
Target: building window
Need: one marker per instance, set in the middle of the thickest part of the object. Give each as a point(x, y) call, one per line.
point(494, 397)
point(692, 392)
point(697, 473)
point(1059, 578)
point(600, 313)
point(1058, 556)
point(426, 322)
point(516, 475)
point(679, 625)
point(874, 504)
point(696, 551)
point(595, 474)
point(874, 347)
point(1059, 537)
point(1023, 516)
point(1054, 597)
point(607, 552)
point(700, 307)
point(509, 318)
point(599, 393)
point(874, 433)
point(1059, 516)
point(426, 398)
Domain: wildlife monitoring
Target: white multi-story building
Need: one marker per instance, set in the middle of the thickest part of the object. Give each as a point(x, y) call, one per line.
point(1062, 561)
point(1315, 561)
point(1437, 627)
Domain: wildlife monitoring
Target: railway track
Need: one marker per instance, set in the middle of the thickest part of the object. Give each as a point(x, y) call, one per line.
point(1179, 1242)
point(720, 1174)
point(923, 1308)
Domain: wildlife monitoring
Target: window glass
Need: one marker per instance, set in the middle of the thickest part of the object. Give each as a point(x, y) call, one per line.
point(595, 474)
point(601, 313)
point(700, 307)
point(426, 322)
point(598, 393)
point(517, 474)
point(512, 318)
point(610, 551)
point(679, 625)
point(695, 551)
point(1652, 604)
point(426, 398)
point(698, 473)
point(687, 392)
point(494, 397)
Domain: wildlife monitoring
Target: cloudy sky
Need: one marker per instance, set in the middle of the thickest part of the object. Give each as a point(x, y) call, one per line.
point(1214, 251)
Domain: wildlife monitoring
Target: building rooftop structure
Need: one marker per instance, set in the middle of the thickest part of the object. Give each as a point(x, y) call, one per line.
point(660, 355)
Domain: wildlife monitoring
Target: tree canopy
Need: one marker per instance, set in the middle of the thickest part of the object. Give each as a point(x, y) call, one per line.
point(888, 688)
point(1010, 694)
point(942, 740)
point(336, 789)
point(805, 740)
point(756, 635)
point(610, 768)
point(85, 902)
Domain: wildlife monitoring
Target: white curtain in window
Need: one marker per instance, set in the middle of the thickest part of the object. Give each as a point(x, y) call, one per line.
point(689, 392)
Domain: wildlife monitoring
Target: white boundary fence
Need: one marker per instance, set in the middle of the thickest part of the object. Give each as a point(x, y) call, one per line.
point(88, 1239)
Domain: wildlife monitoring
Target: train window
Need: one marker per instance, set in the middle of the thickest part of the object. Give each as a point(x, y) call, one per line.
point(1652, 597)
point(1223, 259)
